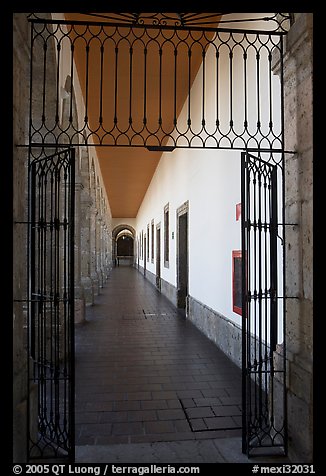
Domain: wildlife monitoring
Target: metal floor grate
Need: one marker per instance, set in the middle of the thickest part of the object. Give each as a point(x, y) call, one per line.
point(153, 314)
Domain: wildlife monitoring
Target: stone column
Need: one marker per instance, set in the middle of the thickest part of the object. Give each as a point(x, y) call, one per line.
point(298, 102)
point(99, 267)
point(20, 158)
point(106, 251)
point(85, 227)
point(79, 294)
point(103, 253)
point(85, 231)
point(93, 249)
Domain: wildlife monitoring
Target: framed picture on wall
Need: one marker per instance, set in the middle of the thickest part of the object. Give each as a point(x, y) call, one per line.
point(237, 281)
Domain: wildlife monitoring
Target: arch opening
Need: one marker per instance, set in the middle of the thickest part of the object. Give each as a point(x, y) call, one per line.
point(123, 245)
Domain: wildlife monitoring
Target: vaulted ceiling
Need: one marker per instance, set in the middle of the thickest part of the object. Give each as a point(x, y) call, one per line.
point(127, 171)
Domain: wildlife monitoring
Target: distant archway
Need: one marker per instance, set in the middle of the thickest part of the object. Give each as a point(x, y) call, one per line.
point(123, 245)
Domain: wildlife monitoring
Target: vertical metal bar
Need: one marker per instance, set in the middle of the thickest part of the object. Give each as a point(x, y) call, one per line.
point(101, 85)
point(57, 301)
point(270, 304)
point(270, 56)
point(87, 48)
point(31, 77)
point(160, 88)
point(231, 87)
point(39, 263)
point(274, 264)
point(51, 294)
point(254, 338)
point(57, 119)
point(258, 89)
point(217, 121)
point(65, 311)
point(145, 87)
point(244, 301)
point(72, 306)
point(175, 88)
point(115, 119)
point(43, 287)
point(31, 274)
point(203, 80)
point(245, 91)
point(250, 300)
point(285, 416)
point(260, 264)
point(44, 82)
point(189, 87)
point(130, 84)
point(266, 286)
point(72, 48)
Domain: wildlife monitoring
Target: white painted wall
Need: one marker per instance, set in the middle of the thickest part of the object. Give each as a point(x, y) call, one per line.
point(209, 180)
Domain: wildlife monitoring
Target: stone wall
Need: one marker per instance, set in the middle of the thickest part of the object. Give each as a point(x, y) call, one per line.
point(20, 157)
point(224, 333)
point(298, 101)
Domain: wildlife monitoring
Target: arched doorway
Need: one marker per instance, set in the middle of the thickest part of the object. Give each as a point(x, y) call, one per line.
point(125, 249)
point(123, 245)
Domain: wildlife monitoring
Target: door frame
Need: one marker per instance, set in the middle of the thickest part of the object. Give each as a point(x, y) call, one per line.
point(145, 253)
point(181, 211)
point(158, 256)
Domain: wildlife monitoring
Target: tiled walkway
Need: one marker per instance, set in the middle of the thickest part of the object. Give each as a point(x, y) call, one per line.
point(146, 374)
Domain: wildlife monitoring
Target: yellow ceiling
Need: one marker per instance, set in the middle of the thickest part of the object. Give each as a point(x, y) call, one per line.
point(127, 171)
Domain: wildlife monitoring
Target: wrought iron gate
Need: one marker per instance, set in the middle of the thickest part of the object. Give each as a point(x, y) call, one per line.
point(136, 72)
point(51, 306)
point(118, 62)
point(263, 352)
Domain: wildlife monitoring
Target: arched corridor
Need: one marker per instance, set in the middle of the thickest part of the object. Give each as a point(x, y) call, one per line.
point(177, 269)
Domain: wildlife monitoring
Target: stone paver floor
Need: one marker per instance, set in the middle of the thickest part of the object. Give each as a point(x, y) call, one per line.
point(145, 374)
point(217, 450)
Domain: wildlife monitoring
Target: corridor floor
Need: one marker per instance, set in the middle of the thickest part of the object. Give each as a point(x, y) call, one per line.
point(146, 374)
